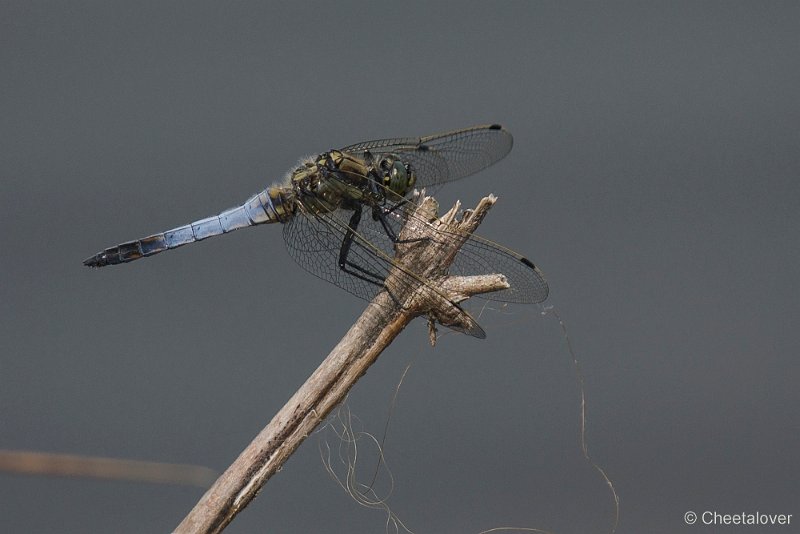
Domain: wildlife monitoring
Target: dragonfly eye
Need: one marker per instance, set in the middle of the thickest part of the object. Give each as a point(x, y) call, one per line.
point(396, 178)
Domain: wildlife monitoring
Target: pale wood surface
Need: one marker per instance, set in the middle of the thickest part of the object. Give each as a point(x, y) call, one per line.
point(381, 322)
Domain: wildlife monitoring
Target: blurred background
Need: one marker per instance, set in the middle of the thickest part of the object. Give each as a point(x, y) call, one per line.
point(653, 178)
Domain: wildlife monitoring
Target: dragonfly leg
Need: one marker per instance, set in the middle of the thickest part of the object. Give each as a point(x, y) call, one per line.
point(403, 202)
point(351, 267)
point(380, 214)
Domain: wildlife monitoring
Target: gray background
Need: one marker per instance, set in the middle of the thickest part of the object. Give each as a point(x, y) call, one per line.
point(653, 177)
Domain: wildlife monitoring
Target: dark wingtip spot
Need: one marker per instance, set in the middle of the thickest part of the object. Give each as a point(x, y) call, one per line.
point(527, 262)
point(495, 127)
point(423, 148)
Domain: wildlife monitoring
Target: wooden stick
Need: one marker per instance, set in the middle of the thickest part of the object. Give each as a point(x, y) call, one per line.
point(380, 323)
point(73, 465)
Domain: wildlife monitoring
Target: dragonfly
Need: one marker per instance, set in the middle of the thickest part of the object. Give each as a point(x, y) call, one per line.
point(342, 212)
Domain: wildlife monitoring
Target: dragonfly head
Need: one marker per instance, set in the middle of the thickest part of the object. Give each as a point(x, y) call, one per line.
point(397, 176)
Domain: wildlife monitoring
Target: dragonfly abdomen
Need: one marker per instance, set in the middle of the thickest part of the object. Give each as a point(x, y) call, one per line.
point(259, 209)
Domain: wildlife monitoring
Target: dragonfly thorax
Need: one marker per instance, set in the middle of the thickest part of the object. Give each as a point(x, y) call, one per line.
point(338, 179)
point(373, 175)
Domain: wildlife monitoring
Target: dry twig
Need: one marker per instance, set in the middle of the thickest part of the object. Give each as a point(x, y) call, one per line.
point(380, 323)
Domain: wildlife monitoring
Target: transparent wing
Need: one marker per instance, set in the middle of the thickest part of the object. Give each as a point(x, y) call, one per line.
point(482, 256)
point(477, 256)
point(315, 241)
point(445, 157)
